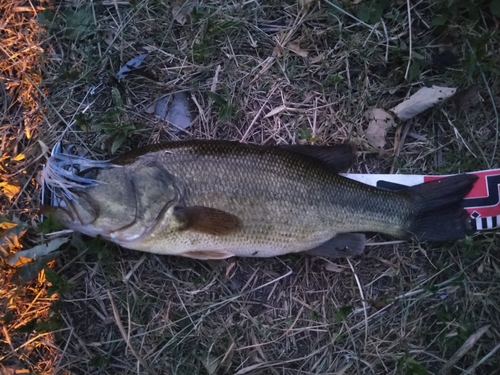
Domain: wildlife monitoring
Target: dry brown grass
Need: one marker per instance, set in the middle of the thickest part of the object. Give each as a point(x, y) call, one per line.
point(399, 309)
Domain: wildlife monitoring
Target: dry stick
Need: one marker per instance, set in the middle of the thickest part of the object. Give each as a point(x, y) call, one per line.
point(48, 103)
point(229, 354)
point(409, 30)
point(27, 343)
point(7, 339)
point(281, 41)
point(315, 118)
point(457, 133)
point(213, 88)
point(124, 335)
point(115, 3)
point(57, 367)
point(32, 303)
point(347, 73)
point(369, 35)
point(95, 23)
point(411, 293)
point(249, 129)
point(31, 9)
point(134, 268)
point(218, 305)
point(83, 345)
point(471, 369)
point(251, 368)
point(467, 345)
point(363, 301)
point(386, 41)
point(399, 146)
point(215, 80)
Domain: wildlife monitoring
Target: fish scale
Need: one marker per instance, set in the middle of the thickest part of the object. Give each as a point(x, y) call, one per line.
point(310, 209)
point(264, 201)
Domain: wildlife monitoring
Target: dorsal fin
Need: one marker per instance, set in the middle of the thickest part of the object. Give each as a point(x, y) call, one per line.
point(338, 157)
point(131, 156)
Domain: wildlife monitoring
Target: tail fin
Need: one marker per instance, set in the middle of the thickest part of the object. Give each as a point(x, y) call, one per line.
point(438, 211)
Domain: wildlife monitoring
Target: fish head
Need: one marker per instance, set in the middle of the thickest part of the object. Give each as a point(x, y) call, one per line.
point(123, 206)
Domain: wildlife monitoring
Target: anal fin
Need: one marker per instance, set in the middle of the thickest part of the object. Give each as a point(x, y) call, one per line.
point(341, 246)
point(208, 254)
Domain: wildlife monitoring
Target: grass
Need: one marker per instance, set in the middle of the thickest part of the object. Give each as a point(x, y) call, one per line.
point(266, 73)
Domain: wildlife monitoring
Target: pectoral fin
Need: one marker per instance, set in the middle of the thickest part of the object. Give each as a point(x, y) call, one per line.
point(341, 246)
point(208, 254)
point(207, 220)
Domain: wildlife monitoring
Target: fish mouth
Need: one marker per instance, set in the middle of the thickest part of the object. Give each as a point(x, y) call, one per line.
point(82, 213)
point(84, 203)
point(74, 192)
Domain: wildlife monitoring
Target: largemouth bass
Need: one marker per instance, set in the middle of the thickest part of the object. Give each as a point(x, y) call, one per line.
point(218, 199)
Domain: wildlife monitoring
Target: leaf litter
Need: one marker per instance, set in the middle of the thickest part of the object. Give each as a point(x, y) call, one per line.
point(379, 122)
point(25, 256)
point(422, 100)
point(130, 66)
point(10, 235)
point(174, 109)
point(181, 10)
